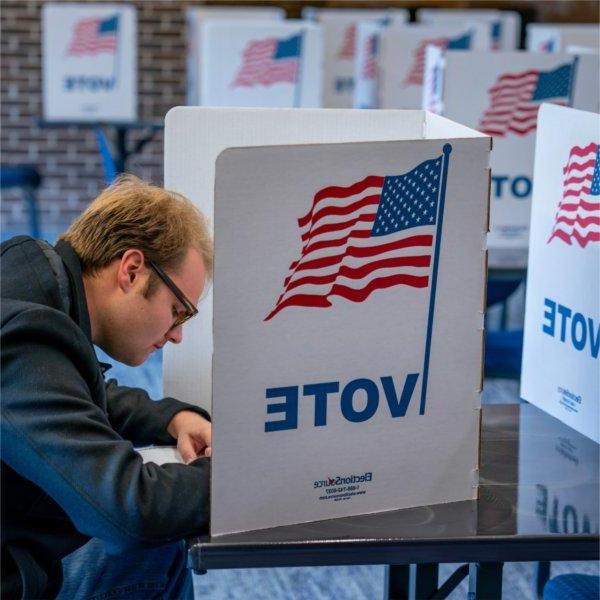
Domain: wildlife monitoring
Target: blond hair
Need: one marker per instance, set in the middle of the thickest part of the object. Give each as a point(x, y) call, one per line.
point(134, 214)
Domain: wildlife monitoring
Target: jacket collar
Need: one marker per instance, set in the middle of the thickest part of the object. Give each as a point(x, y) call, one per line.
point(79, 308)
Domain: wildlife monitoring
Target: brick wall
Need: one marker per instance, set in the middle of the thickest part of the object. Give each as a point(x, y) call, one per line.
point(68, 158)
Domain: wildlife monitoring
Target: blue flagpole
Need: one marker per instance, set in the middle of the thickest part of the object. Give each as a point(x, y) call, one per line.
point(572, 80)
point(298, 83)
point(436, 258)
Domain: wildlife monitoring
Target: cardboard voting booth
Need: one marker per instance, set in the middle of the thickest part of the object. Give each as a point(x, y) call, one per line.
point(263, 64)
point(506, 90)
point(336, 319)
point(402, 58)
point(557, 37)
point(547, 459)
point(89, 62)
point(504, 25)
point(195, 16)
point(561, 366)
point(342, 49)
point(366, 68)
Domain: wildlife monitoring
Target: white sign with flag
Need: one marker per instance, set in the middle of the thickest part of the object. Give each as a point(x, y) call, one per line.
point(561, 365)
point(402, 58)
point(504, 25)
point(335, 310)
point(89, 62)
point(557, 37)
point(341, 49)
point(506, 90)
point(195, 16)
point(366, 65)
point(264, 64)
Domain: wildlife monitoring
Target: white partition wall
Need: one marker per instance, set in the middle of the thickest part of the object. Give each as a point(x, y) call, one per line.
point(89, 54)
point(561, 349)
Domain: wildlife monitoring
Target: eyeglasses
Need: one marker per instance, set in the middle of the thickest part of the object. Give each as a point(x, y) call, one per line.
point(190, 309)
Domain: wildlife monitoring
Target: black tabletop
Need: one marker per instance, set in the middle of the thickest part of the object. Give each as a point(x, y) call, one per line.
point(538, 501)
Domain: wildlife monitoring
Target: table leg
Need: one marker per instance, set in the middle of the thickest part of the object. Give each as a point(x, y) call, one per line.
point(485, 581)
point(410, 582)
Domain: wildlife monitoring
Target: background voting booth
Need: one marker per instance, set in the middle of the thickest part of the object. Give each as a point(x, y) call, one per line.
point(341, 47)
point(366, 68)
point(559, 37)
point(260, 63)
point(561, 371)
point(196, 16)
point(355, 252)
point(504, 26)
point(505, 92)
point(89, 62)
point(402, 57)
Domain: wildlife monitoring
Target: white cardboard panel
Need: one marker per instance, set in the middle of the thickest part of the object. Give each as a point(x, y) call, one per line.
point(340, 30)
point(504, 25)
point(89, 62)
point(261, 64)
point(257, 354)
point(195, 16)
point(556, 37)
point(402, 57)
point(561, 368)
point(512, 158)
point(194, 137)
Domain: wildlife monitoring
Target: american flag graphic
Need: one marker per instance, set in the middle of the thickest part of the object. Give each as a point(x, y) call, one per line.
point(417, 69)
point(369, 70)
point(269, 61)
point(94, 36)
point(374, 234)
point(546, 46)
point(515, 99)
point(348, 47)
point(578, 215)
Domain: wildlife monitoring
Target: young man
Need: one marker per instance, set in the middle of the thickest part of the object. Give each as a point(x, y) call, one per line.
point(125, 276)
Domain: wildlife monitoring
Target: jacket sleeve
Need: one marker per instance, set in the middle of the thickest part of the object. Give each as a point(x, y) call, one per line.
point(138, 418)
point(55, 435)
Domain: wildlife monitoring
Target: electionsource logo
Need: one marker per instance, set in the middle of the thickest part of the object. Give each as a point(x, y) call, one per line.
point(344, 479)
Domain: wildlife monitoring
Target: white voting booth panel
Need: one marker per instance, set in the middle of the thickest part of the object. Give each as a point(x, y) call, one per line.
point(557, 37)
point(260, 64)
point(505, 92)
point(195, 16)
point(504, 25)
point(561, 367)
point(308, 360)
point(89, 54)
point(342, 49)
point(366, 65)
point(402, 57)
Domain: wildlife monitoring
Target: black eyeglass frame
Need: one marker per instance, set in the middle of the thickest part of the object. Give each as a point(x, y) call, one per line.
point(190, 309)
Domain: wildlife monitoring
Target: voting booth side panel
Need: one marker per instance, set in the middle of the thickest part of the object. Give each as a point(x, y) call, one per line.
point(556, 78)
point(89, 62)
point(561, 368)
point(342, 292)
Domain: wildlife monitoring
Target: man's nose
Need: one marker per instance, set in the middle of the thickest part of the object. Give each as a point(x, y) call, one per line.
point(175, 335)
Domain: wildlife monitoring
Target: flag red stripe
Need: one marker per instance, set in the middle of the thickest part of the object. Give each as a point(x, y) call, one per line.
point(355, 233)
point(592, 236)
point(581, 152)
point(345, 210)
point(575, 179)
point(349, 293)
point(589, 206)
point(362, 271)
point(579, 220)
point(335, 191)
point(583, 189)
point(370, 218)
point(581, 166)
point(361, 252)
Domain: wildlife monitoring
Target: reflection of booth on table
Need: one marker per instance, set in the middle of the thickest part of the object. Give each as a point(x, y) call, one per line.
point(503, 525)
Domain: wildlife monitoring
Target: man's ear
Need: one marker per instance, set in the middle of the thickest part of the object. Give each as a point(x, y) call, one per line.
point(131, 269)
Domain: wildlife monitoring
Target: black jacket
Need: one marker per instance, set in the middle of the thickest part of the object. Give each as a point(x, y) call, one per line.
point(69, 468)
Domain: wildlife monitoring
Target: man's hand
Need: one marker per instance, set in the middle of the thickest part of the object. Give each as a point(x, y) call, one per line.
point(193, 435)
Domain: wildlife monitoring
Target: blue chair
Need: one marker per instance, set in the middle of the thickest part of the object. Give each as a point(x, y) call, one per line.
point(573, 587)
point(28, 179)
